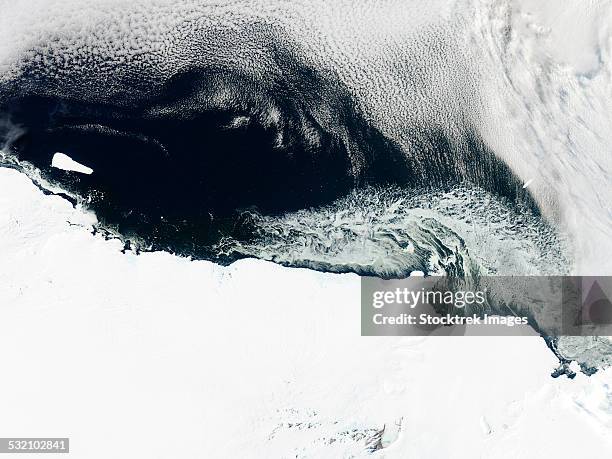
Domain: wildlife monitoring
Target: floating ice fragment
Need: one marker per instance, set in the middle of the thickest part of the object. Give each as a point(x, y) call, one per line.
point(65, 162)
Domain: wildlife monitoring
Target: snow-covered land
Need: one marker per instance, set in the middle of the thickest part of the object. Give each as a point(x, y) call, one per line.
point(154, 355)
